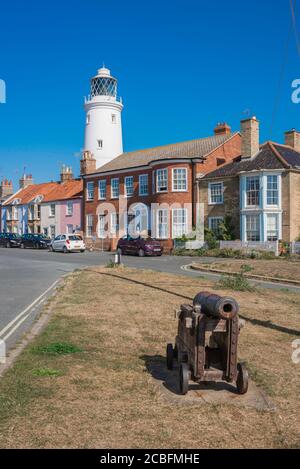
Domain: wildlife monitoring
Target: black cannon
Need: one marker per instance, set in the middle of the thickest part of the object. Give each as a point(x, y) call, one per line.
point(207, 342)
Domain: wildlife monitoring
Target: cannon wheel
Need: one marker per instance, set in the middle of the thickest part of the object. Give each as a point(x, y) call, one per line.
point(242, 379)
point(170, 356)
point(184, 376)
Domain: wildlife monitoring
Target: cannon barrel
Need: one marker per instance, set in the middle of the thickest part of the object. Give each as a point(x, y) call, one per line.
point(217, 306)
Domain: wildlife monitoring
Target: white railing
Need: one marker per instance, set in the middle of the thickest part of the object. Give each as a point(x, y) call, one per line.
point(269, 246)
point(295, 247)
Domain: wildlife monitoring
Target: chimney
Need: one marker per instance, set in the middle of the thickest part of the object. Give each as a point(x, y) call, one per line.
point(222, 128)
point(6, 189)
point(87, 163)
point(25, 181)
point(292, 138)
point(250, 137)
point(66, 173)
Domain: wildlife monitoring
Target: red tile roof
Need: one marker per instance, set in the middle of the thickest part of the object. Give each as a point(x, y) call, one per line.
point(50, 192)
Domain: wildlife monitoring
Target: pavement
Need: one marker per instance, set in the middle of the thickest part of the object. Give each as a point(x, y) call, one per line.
point(28, 277)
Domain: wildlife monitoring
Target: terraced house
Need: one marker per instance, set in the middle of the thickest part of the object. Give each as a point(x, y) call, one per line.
point(259, 191)
point(48, 208)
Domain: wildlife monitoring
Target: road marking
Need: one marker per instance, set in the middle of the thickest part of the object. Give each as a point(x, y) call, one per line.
point(34, 303)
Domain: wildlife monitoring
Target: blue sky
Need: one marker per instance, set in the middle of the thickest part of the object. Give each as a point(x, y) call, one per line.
point(182, 66)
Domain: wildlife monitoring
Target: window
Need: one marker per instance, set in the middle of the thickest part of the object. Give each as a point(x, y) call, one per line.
point(89, 226)
point(214, 224)
point(162, 180)
point(272, 227)
point(90, 191)
point(45, 232)
point(101, 225)
point(102, 189)
point(88, 118)
point(52, 210)
point(69, 209)
point(143, 184)
point(38, 212)
point(162, 223)
point(114, 118)
point(70, 229)
point(216, 192)
point(252, 191)
point(114, 223)
point(179, 222)
point(252, 228)
point(128, 186)
point(272, 190)
point(14, 213)
point(100, 144)
point(179, 179)
point(115, 188)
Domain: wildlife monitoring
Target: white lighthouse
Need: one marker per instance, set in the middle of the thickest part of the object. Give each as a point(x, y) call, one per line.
point(103, 130)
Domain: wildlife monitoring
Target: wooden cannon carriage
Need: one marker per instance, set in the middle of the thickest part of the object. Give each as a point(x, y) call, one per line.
point(207, 342)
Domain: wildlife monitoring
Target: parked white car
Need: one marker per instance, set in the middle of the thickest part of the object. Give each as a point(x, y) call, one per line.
point(67, 243)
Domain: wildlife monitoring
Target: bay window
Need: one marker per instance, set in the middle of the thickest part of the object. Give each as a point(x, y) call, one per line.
point(272, 190)
point(252, 191)
point(252, 228)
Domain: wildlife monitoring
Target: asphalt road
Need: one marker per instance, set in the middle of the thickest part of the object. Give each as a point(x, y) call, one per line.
point(27, 278)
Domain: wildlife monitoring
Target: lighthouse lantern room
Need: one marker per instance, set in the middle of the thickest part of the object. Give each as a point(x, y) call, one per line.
point(103, 129)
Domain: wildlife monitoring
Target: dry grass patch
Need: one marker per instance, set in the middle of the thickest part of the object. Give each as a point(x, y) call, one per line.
point(102, 394)
point(276, 268)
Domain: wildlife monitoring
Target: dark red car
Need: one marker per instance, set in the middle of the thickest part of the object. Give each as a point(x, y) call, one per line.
point(139, 246)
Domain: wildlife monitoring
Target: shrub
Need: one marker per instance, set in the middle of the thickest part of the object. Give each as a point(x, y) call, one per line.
point(237, 282)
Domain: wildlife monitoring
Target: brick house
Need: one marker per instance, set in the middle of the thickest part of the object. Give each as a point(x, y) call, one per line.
point(48, 208)
point(6, 190)
point(158, 185)
point(259, 191)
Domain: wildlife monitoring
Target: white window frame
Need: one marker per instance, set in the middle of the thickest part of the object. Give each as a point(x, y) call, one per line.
point(114, 223)
point(178, 233)
point(176, 181)
point(210, 200)
point(165, 233)
point(128, 178)
point(90, 193)
point(259, 191)
point(141, 185)
point(274, 190)
point(277, 229)
point(102, 219)
point(210, 223)
point(51, 212)
point(158, 178)
point(89, 225)
point(258, 217)
point(112, 188)
point(100, 197)
point(70, 209)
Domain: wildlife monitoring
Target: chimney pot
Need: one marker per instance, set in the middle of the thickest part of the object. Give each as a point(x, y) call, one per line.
point(222, 128)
